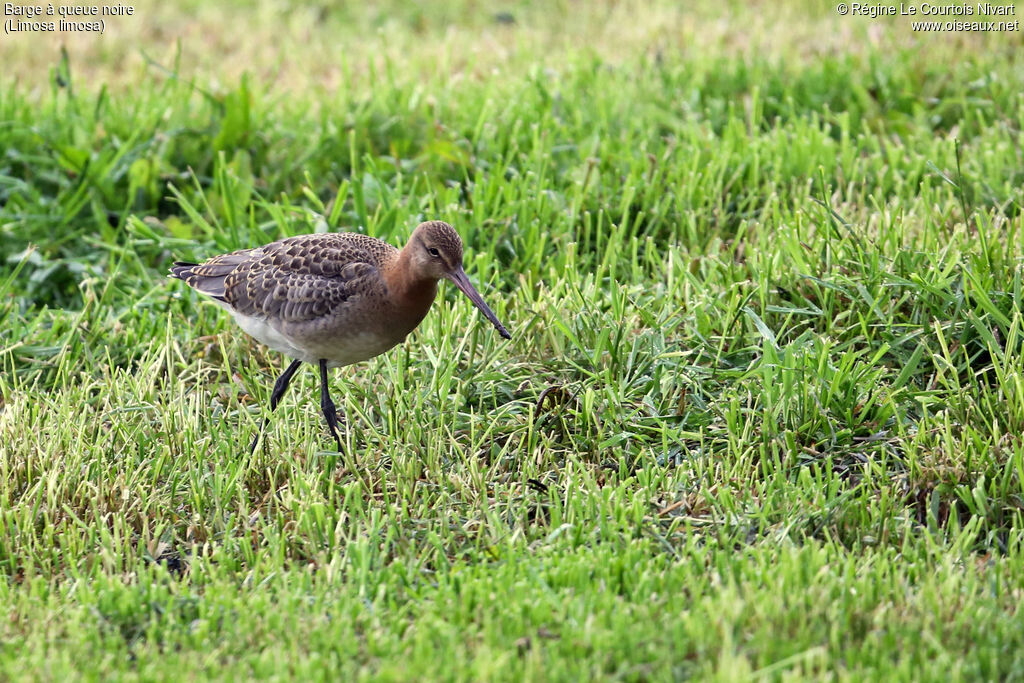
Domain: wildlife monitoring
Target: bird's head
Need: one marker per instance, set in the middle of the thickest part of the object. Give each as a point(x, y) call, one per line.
point(435, 253)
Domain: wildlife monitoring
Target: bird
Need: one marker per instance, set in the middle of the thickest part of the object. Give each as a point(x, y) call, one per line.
point(333, 299)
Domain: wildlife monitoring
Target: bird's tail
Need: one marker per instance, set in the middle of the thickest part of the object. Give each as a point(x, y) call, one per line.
point(182, 270)
point(209, 277)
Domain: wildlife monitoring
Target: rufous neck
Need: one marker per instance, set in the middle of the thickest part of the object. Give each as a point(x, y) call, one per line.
point(405, 285)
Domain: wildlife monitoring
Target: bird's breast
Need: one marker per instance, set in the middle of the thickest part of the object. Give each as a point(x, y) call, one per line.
point(412, 305)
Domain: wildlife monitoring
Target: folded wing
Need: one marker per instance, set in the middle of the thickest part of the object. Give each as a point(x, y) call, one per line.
point(293, 280)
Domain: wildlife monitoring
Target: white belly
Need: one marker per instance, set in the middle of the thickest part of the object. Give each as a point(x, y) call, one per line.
point(337, 351)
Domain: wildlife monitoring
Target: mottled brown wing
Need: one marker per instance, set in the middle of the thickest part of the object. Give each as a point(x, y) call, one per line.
point(300, 279)
point(292, 280)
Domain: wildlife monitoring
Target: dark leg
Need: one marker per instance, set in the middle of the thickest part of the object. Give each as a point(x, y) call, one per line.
point(327, 405)
point(280, 386)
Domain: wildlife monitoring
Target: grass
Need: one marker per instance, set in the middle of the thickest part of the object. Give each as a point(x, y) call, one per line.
point(760, 417)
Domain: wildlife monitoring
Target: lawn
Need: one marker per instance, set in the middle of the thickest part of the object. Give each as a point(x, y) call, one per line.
point(761, 414)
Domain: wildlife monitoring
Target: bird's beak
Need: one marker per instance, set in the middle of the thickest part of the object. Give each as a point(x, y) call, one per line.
point(461, 281)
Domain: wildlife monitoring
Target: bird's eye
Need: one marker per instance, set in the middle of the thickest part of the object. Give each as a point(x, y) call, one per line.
point(433, 252)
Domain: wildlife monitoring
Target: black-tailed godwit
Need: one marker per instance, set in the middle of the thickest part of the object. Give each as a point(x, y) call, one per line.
point(333, 299)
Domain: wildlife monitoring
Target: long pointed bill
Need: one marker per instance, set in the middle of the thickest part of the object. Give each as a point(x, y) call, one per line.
point(461, 281)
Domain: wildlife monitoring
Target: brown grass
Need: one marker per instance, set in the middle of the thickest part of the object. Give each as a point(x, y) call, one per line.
point(292, 47)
